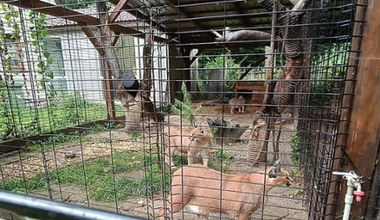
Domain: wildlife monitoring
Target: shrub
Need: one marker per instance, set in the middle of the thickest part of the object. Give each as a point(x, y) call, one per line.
point(295, 148)
point(220, 62)
point(184, 108)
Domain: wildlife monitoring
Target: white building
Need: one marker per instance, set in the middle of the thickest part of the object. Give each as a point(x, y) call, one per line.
point(76, 63)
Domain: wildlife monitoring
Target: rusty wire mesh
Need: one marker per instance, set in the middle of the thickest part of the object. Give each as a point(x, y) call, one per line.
point(85, 99)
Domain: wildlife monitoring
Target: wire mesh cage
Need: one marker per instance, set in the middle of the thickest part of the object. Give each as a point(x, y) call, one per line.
point(225, 109)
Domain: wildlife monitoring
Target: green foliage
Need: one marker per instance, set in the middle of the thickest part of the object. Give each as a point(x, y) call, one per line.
point(233, 71)
point(7, 127)
point(44, 60)
point(320, 91)
point(224, 155)
point(179, 160)
point(330, 64)
point(222, 162)
point(8, 105)
point(184, 108)
point(135, 134)
point(295, 148)
point(296, 193)
point(333, 58)
point(63, 111)
point(245, 57)
point(23, 185)
point(72, 103)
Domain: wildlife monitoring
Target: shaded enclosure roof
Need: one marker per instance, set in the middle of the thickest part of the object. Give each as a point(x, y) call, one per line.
point(52, 21)
point(190, 22)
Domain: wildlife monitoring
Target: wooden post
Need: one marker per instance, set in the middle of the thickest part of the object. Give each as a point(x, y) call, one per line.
point(364, 129)
point(362, 140)
point(146, 84)
point(108, 60)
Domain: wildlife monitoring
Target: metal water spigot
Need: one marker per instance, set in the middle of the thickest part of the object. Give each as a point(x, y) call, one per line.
point(354, 181)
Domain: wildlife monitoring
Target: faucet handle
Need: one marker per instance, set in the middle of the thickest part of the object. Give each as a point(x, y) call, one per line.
point(359, 195)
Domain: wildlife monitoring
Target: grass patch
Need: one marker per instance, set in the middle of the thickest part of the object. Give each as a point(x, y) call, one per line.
point(224, 155)
point(180, 160)
point(107, 180)
point(135, 134)
point(63, 111)
point(223, 159)
point(22, 186)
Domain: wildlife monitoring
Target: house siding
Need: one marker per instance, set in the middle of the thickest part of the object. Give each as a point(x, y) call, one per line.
point(160, 89)
point(82, 69)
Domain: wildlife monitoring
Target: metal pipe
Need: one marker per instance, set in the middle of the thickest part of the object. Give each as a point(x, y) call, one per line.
point(353, 181)
point(47, 209)
point(348, 200)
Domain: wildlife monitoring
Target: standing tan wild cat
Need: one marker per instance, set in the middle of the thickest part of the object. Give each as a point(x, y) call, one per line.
point(237, 103)
point(185, 140)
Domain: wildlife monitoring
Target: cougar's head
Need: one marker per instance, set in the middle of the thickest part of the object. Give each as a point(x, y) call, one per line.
point(199, 135)
point(278, 175)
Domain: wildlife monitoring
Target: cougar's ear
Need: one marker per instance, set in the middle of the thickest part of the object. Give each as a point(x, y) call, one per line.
point(276, 169)
point(278, 163)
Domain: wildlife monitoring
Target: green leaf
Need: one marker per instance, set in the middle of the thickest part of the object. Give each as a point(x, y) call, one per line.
point(50, 74)
point(46, 54)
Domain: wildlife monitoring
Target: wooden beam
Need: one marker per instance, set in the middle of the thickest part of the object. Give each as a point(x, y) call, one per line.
point(140, 15)
point(187, 14)
point(244, 20)
point(54, 10)
point(115, 39)
point(58, 11)
point(11, 147)
point(91, 36)
point(115, 13)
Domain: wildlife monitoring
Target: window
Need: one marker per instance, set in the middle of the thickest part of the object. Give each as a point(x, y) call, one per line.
point(13, 49)
point(54, 47)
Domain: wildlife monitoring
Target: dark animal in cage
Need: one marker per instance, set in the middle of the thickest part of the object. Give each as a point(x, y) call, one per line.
point(126, 87)
point(189, 141)
point(127, 83)
point(129, 92)
point(201, 189)
point(237, 103)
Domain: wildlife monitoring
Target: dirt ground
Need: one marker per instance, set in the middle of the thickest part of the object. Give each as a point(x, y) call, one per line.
point(281, 202)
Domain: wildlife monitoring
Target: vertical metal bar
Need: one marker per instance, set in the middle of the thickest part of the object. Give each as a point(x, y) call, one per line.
point(347, 101)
